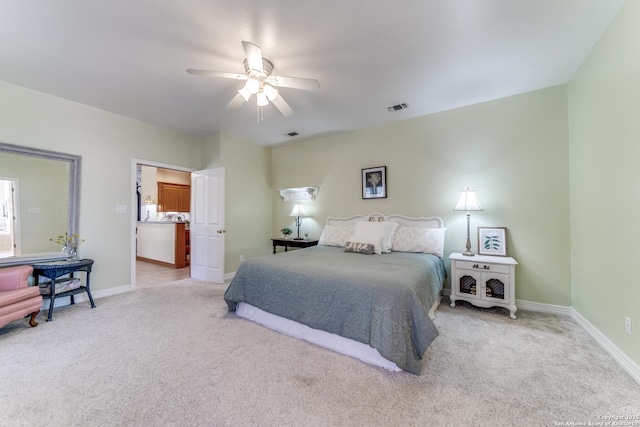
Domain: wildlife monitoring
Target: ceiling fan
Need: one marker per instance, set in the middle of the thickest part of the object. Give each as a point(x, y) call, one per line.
point(260, 82)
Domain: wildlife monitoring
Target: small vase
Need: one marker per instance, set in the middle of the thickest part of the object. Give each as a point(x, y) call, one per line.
point(73, 254)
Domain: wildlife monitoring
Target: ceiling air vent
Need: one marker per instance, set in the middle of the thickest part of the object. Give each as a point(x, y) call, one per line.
point(291, 134)
point(397, 107)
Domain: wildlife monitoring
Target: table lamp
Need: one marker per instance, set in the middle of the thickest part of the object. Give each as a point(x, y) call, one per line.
point(468, 202)
point(298, 212)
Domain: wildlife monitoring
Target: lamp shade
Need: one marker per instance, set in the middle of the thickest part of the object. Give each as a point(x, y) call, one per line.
point(262, 99)
point(271, 92)
point(252, 85)
point(468, 201)
point(297, 211)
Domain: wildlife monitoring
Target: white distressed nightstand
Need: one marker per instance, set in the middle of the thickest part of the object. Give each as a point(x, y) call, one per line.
point(484, 281)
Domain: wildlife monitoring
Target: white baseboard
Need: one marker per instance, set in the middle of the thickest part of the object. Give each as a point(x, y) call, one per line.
point(82, 297)
point(625, 362)
point(618, 355)
point(631, 367)
point(560, 310)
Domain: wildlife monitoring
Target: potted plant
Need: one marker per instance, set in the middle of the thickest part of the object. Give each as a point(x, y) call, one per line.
point(286, 232)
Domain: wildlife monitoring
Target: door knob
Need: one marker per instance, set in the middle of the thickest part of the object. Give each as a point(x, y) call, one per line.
point(221, 231)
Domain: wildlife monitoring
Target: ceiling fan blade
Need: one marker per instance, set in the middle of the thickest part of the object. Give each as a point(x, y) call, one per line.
point(236, 102)
point(294, 82)
point(234, 76)
point(254, 56)
point(282, 105)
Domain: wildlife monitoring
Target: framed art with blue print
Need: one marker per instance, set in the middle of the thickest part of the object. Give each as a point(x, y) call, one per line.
point(492, 241)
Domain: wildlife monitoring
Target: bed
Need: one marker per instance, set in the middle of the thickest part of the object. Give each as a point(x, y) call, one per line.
point(376, 306)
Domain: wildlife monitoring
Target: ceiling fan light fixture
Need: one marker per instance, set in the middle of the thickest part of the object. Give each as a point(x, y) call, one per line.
point(262, 99)
point(260, 82)
point(271, 92)
point(252, 85)
point(245, 93)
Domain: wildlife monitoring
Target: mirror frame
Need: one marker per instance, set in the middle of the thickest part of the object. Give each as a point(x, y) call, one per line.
point(74, 197)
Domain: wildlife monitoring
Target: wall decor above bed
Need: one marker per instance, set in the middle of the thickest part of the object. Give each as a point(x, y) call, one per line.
point(374, 183)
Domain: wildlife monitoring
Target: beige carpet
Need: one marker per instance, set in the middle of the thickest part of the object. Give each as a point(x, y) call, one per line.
point(172, 355)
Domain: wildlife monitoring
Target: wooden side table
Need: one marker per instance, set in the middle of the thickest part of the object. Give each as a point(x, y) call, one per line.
point(54, 271)
point(287, 243)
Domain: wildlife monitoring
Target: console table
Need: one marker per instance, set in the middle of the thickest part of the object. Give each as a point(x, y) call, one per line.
point(292, 243)
point(55, 270)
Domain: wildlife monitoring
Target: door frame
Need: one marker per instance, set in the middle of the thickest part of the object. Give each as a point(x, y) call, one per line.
point(134, 205)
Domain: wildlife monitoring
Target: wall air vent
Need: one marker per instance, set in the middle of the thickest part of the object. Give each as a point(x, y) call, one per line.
point(291, 134)
point(397, 107)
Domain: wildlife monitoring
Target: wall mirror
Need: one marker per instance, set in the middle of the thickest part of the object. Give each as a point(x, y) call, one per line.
point(39, 201)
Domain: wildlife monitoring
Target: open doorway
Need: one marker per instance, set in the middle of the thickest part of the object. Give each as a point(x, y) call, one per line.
point(160, 224)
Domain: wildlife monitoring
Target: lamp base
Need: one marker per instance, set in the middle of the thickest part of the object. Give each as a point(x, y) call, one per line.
point(298, 238)
point(467, 253)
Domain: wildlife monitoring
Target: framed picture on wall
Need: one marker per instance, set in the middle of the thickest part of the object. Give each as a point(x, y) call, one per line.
point(374, 183)
point(492, 241)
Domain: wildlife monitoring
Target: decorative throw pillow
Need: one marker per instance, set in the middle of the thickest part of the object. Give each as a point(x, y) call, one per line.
point(359, 248)
point(379, 233)
point(425, 240)
point(335, 235)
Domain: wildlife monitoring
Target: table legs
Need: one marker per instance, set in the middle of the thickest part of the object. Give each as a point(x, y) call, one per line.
point(89, 292)
point(52, 297)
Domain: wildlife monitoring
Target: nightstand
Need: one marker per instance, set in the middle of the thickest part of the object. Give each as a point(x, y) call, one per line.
point(484, 281)
point(287, 243)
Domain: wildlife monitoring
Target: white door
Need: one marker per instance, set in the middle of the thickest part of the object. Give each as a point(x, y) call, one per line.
point(207, 225)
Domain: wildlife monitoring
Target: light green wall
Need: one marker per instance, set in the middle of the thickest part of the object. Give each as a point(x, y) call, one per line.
point(247, 195)
point(107, 143)
point(604, 123)
point(513, 151)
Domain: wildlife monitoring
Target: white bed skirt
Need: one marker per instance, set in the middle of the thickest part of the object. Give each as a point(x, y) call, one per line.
point(328, 340)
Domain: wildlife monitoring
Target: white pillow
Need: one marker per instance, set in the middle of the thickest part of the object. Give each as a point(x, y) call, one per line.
point(380, 234)
point(335, 235)
point(426, 240)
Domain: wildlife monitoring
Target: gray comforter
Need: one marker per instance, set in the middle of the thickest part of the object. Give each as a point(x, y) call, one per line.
point(379, 300)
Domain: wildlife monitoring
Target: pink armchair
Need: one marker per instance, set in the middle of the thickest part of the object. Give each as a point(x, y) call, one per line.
point(17, 298)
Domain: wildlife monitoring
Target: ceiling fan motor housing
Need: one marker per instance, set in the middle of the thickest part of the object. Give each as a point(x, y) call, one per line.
point(267, 69)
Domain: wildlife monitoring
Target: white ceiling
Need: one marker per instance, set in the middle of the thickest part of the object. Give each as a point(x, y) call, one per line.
point(129, 56)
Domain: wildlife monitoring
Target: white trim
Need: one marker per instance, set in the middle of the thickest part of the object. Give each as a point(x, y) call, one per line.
point(560, 310)
point(83, 297)
point(618, 355)
point(625, 362)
